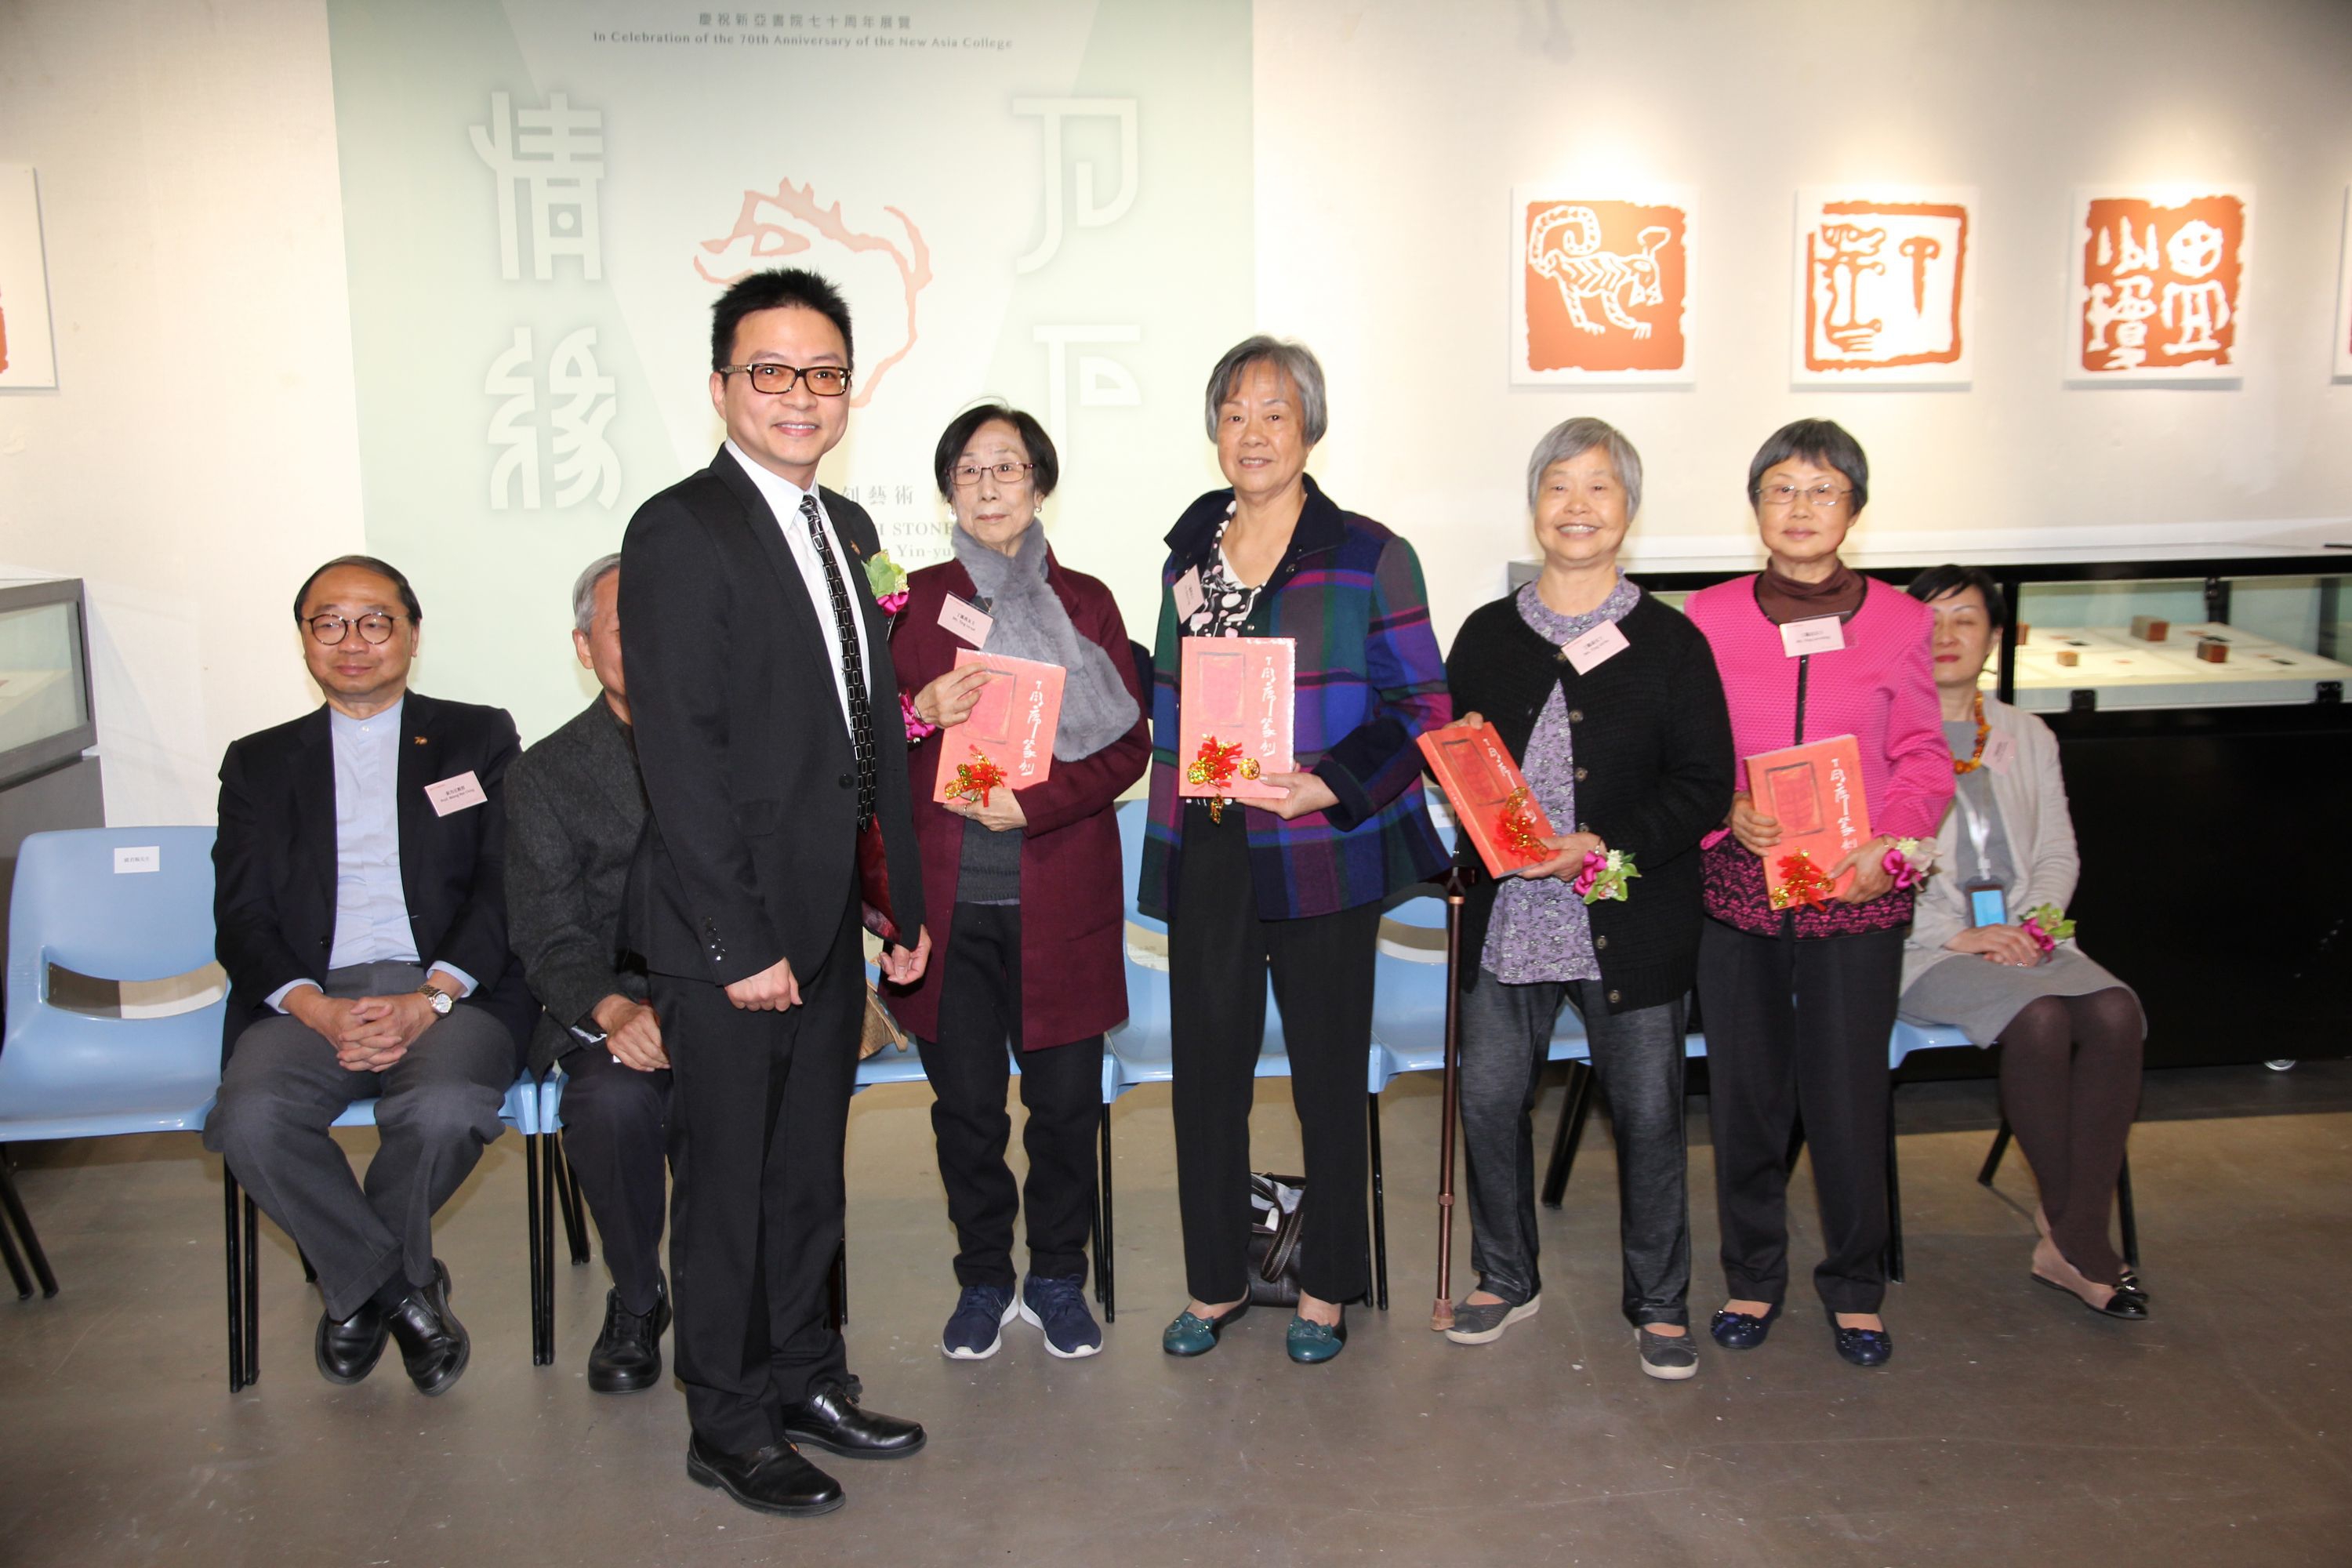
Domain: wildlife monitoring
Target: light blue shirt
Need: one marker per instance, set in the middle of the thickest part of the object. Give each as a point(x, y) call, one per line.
point(371, 908)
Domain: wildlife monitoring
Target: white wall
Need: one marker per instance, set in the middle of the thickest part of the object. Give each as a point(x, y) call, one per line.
point(189, 192)
point(1389, 136)
point(199, 455)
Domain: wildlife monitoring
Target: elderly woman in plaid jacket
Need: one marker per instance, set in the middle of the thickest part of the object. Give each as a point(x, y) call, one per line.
point(1292, 886)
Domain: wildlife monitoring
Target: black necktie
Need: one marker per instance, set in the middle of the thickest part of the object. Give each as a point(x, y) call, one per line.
point(852, 669)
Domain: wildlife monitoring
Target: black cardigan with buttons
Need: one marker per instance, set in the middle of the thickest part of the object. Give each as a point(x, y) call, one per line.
point(1654, 774)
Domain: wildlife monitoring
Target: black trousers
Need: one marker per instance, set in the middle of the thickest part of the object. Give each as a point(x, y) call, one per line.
point(1219, 953)
point(1061, 1088)
point(614, 1129)
point(759, 1110)
point(1796, 1033)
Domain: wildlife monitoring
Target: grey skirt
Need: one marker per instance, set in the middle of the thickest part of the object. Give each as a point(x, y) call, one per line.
point(1979, 997)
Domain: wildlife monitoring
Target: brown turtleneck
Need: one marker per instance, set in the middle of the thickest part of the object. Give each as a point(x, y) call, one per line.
point(1784, 599)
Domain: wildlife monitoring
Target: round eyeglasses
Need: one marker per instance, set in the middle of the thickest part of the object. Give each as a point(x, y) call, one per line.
point(825, 379)
point(329, 630)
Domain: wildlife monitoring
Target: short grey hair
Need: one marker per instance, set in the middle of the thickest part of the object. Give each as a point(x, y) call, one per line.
point(1294, 359)
point(1571, 439)
point(584, 591)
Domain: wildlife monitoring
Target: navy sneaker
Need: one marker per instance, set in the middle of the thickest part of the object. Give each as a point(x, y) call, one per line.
point(976, 1329)
point(1058, 1307)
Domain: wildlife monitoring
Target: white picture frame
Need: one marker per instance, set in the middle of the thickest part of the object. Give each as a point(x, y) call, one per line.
point(1600, 280)
point(2152, 299)
point(1883, 280)
point(28, 359)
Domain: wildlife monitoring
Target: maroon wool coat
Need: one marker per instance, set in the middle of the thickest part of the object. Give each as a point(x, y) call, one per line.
point(1073, 917)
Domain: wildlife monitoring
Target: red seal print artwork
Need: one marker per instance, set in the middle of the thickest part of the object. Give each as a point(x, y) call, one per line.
point(2159, 284)
point(1601, 290)
point(1885, 286)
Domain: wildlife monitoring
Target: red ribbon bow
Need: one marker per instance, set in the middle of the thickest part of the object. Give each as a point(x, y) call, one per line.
point(975, 778)
point(1802, 883)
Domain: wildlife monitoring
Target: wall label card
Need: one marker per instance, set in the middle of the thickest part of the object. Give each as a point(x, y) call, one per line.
point(132, 859)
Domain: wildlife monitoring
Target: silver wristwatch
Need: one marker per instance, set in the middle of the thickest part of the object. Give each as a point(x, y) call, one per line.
point(439, 1000)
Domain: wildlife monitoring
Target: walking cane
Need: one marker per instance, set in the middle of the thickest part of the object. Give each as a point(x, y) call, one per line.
point(1456, 885)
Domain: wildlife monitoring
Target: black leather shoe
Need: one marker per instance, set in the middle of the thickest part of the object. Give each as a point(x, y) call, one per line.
point(773, 1479)
point(1742, 1331)
point(627, 1355)
point(348, 1350)
point(432, 1344)
point(830, 1420)
point(1862, 1347)
point(2126, 1306)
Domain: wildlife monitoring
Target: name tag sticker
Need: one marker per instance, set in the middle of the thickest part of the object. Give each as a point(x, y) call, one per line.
point(966, 621)
point(1822, 634)
point(2000, 752)
point(1190, 595)
point(1595, 647)
point(455, 794)
point(143, 858)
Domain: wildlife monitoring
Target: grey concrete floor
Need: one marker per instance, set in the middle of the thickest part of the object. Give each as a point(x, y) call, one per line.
point(2013, 1428)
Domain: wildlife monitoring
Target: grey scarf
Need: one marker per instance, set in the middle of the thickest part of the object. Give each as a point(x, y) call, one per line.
point(1032, 624)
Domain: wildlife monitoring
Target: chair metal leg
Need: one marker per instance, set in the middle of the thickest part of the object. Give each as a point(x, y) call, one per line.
point(1380, 1206)
point(234, 1272)
point(16, 1216)
point(568, 1199)
point(1573, 1113)
point(1993, 1157)
point(24, 1282)
point(2130, 1220)
point(1105, 1282)
point(541, 1349)
point(1894, 1202)
point(252, 1292)
point(545, 1209)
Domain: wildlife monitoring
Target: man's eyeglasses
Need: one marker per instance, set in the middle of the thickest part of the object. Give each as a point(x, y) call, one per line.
point(1821, 496)
point(329, 630)
point(826, 380)
point(967, 474)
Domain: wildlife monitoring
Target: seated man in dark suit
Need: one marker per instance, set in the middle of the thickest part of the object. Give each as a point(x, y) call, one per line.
point(575, 809)
point(361, 917)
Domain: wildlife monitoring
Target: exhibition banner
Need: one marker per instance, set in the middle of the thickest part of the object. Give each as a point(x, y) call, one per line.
point(1049, 203)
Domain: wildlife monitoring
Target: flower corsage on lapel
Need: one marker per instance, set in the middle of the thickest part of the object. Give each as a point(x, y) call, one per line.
point(886, 581)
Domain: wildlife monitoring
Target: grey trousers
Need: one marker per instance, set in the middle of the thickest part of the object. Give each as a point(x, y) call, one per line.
point(1638, 1058)
point(440, 1104)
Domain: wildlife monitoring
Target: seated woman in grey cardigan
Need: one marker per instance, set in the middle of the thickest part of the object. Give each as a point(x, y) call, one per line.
point(1981, 961)
point(1610, 703)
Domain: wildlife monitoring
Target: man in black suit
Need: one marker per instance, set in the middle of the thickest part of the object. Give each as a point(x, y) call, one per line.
point(575, 811)
point(362, 920)
point(758, 674)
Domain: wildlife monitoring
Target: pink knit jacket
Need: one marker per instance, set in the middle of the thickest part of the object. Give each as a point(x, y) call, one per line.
point(1880, 688)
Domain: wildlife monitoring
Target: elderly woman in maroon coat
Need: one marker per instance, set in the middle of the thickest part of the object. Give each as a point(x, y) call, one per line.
point(1031, 953)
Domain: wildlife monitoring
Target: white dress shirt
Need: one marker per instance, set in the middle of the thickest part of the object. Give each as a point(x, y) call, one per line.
point(370, 907)
point(783, 498)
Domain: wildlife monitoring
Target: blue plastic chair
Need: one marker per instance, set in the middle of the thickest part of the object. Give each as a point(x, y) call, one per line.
point(72, 1075)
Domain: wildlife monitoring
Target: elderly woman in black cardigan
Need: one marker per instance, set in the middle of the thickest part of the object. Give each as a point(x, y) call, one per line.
point(1611, 703)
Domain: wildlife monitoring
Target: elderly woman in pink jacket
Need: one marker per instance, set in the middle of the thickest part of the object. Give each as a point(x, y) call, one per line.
point(1797, 1003)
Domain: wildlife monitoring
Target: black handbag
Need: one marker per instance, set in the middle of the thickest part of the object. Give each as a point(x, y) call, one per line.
point(1277, 1214)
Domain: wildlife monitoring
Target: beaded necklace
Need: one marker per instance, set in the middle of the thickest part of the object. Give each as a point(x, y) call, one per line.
point(1976, 758)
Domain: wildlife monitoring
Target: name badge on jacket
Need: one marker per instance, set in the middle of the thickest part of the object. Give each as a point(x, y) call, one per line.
point(455, 793)
point(1595, 647)
point(965, 621)
point(1822, 634)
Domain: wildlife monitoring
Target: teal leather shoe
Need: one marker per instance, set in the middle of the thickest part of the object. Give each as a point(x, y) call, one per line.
point(1191, 1336)
point(1311, 1342)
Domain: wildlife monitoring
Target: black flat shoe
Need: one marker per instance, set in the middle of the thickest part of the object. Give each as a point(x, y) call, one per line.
point(2124, 1306)
point(1742, 1331)
point(627, 1355)
point(773, 1479)
point(434, 1344)
point(348, 1350)
point(1862, 1347)
point(830, 1420)
point(2130, 1286)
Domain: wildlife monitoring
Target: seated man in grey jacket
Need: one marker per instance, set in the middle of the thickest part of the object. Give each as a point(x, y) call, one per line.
point(575, 808)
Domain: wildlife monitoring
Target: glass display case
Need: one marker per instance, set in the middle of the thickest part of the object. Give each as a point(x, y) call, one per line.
point(2207, 749)
point(45, 702)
